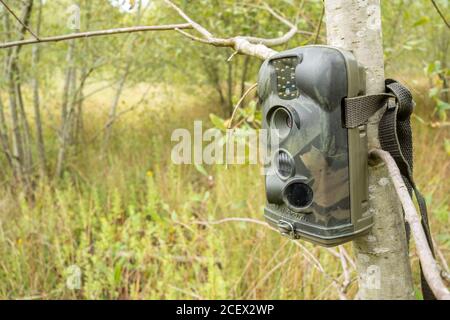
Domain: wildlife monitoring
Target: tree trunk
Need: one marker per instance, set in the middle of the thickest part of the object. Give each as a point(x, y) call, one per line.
point(36, 100)
point(27, 138)
point(21, 152)
point(85, 72)
point(230, 84)
point(115, 104)
point(4, 139)
point(213, 73)
point(245, 68)
point(66, 109)
point(382, 255)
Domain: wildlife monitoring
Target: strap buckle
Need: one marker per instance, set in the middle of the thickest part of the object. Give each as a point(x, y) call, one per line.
point(286, 229)
point(392, 103)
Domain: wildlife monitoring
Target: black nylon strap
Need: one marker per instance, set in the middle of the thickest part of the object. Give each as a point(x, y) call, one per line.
point(358, 110)
point(395, 136)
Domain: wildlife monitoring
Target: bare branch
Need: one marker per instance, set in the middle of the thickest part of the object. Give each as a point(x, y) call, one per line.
point(98, 33)
point(194, 24)
point(444, 265)
point(275, 41)
point(429, 265)
point(192, 37)
point(225, 220)
point(19, 20)
point(252, 46)
point(440, 13)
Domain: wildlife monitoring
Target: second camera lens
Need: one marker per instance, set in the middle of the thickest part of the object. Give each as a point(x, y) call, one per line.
point(298, 195)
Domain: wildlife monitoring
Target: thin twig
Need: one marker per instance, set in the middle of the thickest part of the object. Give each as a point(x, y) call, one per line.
point(221, 221)
point(440, 13)
point(316, 38)
point(192, 37)
point(274, 41)
point(441, 257)
point(111, 121)
point(347, 279)
point(240, 102)
point(349, 259)
point(232, 56)
point(19, 20)
point(194, 24)
point(192, 294)
point(98, 33)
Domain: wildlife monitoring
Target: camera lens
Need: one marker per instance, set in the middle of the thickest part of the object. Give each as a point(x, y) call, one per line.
point(285, 164)
point(298, 195)
point(282, 121)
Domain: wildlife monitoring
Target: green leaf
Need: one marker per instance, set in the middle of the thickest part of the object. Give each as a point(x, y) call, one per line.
point(201, 169)
point(430, 68)
point(447, 146)
point(433, 92)
point(117, 273)
point(218, 122)
point(423, 20)
point(442, 105)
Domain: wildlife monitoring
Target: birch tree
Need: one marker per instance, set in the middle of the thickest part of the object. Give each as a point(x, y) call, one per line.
point(382, 255)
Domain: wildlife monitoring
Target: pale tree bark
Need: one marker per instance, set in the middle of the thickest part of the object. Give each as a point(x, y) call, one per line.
point(4, 139)
point(40, 145)
point(92, 34)
point(230, 83)
point(66, 110)
point(382, 255)
point(85, 72)
point(429, 265)
point(21, 152)
point(244, 75)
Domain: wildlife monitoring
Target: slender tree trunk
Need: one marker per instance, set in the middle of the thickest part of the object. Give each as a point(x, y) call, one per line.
point(21, 153)
point(15, 127)
point(382, 255)
point(4, 139)
point(36, 100)
point(121, 86)
point(245, 68)
point(85, 71)
point(66, 109)
point(27, 137)
point(230, 88)
point(115, 104)
point(213, 73)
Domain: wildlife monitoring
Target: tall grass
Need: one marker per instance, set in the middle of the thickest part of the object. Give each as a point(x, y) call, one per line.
point(139, 227)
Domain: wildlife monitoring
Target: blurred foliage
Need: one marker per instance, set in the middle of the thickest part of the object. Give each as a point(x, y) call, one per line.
point(439, 91)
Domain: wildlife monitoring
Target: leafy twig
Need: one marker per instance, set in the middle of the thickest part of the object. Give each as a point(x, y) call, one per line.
point(440, 13)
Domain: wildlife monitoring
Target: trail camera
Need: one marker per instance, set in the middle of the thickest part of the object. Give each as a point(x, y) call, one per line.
point(317, 181)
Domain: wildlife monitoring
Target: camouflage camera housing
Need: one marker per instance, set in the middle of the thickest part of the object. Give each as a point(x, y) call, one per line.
point(317, 180)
